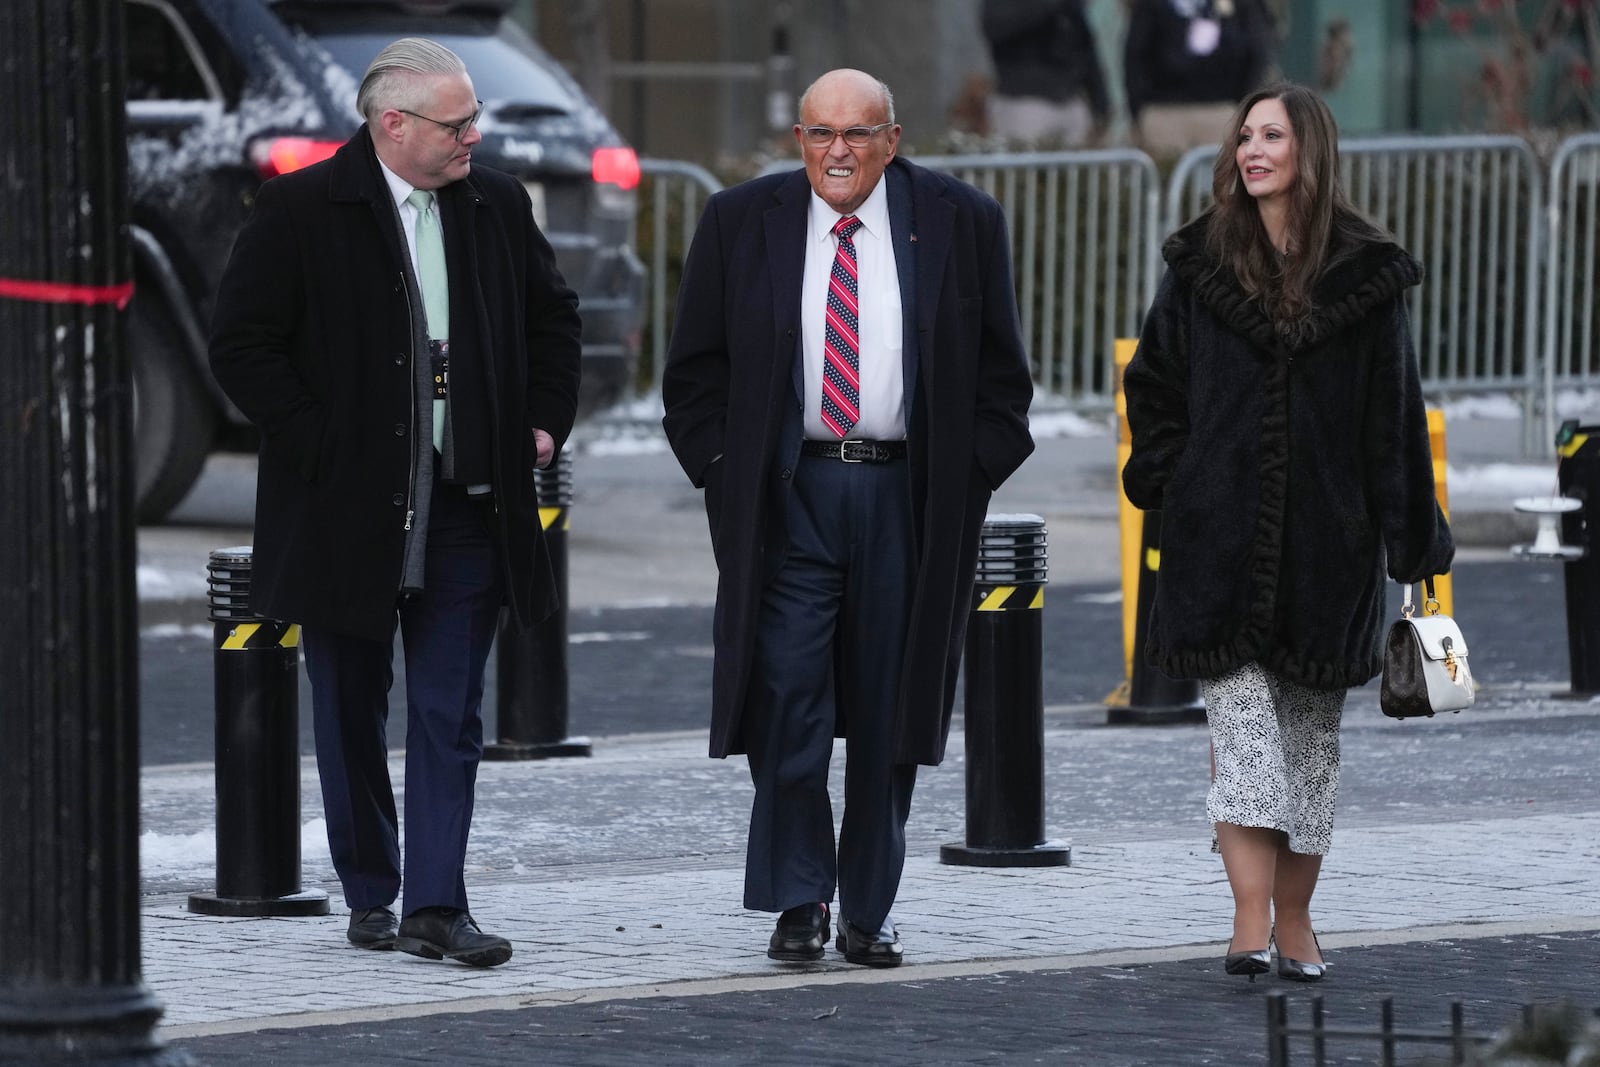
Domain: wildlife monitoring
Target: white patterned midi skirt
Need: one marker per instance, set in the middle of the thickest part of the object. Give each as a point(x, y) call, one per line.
point(1276, 748)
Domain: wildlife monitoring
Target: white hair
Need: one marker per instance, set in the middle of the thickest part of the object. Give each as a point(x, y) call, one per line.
point(883, 90)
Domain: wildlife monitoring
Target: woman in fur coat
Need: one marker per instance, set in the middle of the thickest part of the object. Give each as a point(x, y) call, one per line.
point(1278, 424)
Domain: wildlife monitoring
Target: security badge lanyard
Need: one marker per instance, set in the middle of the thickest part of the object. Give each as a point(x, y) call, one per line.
point(439, 356)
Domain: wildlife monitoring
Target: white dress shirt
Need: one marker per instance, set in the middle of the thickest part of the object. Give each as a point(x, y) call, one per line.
point(399, 188)
point(879, 322)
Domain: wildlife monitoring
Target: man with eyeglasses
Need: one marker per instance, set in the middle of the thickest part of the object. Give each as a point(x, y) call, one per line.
point(847, 381)
point(394, 323)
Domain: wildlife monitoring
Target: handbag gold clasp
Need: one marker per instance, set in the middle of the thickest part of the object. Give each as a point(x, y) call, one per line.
point(1450, 658)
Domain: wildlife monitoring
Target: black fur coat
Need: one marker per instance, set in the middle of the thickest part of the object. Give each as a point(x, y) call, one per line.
point(1291, 472)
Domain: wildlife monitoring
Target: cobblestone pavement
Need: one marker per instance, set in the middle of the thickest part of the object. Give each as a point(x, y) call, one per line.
point(1470, 839)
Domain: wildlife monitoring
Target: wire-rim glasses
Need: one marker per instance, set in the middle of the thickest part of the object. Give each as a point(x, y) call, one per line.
point(854, 136)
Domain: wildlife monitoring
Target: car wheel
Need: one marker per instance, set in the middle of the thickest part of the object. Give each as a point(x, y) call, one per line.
point(174, 425)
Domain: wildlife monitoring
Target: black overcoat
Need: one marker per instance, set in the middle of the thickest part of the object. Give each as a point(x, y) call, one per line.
point(729, 391)
point(312, 338)
point(1291, 472)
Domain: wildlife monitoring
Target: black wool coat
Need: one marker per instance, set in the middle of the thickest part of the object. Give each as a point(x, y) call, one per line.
point(734, 422)
point(1291, 472)
point(312, 338)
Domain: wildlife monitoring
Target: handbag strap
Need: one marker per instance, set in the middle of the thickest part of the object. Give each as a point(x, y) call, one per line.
point(1430, 603)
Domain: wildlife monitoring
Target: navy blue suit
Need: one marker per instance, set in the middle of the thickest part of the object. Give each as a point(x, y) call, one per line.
point(844, 590)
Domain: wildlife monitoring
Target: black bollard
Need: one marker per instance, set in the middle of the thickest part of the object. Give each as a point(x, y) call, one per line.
point(1153, 698)
point(257, 676)
point(1578, 477)
point(1005, 703)
point(531, 664)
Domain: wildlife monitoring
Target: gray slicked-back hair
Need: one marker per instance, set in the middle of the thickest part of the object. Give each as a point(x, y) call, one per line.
point(392, 79)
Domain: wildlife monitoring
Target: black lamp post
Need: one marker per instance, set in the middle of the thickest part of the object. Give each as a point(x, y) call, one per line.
point(70, 983)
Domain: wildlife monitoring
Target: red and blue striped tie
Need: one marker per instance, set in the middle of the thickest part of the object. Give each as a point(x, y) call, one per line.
point(841, 362)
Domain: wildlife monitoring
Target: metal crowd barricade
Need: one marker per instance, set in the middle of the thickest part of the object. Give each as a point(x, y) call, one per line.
point(1465, 207)
point(1084, 254)
point(1508, 303)
point(1571, 330)
point(1085, 243)
point(676, 195)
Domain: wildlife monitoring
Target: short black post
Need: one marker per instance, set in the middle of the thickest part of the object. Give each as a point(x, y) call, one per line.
point(1578, 476)
point(256, 668)
point(531, 663)
point(1153, 698)
point(1005, 703)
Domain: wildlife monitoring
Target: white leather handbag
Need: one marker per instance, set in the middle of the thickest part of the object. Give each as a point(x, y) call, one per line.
point(1425, 666)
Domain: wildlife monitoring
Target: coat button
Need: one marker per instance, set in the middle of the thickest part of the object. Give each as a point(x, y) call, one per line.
point(398, 500)
point(786, 473)
point(399, 429)
point(399, 359)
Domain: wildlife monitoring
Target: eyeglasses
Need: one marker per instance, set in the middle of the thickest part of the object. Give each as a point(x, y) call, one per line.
point(459, 129)
point(854, 136)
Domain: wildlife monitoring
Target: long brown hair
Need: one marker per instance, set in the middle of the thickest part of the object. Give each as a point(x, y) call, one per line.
point(1320, 218)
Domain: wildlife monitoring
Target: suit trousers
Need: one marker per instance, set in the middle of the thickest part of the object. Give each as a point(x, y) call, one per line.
point(829, 649)
point(446, 632)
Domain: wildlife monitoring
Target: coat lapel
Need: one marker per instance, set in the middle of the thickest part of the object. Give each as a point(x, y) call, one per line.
point(903, 231)
point(935, 221)
point(458, 212)
point(356, 177)
point(935, 217)
point(785, 227)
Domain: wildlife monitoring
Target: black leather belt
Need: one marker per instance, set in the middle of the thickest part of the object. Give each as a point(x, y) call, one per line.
point(855, 451)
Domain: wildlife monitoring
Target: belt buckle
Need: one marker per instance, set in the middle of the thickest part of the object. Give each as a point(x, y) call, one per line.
point(844, 453)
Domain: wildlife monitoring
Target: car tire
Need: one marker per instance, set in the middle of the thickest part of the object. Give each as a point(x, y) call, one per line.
point(174, 424)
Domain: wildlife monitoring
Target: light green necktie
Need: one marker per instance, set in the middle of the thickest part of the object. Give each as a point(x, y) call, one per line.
point(435, 283)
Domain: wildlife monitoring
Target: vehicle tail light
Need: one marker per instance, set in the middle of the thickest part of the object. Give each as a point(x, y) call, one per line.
point(281, 155)
point(616, 166)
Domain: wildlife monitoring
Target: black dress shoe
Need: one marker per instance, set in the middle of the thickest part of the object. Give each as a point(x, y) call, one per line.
point(801, 935)
point(450, 934)
point(372, 928)
point(880, 949)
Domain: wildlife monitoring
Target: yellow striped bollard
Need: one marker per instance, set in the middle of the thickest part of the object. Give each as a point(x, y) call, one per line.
point(1005, 702)
point(1149, 698)
point(531, 700)
point(256, 666)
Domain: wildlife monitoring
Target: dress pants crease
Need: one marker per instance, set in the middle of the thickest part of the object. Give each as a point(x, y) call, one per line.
point(828, 655)
point(446, 632)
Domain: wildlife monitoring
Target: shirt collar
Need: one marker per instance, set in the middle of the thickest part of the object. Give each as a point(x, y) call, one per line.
point(873, 213)
point(399, 188)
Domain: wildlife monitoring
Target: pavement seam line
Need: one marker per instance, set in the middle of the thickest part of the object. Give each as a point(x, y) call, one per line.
point(843, 974)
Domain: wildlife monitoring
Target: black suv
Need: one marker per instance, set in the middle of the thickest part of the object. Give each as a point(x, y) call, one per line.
point(223, 94)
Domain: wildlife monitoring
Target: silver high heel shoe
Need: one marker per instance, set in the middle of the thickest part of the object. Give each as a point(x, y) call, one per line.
point(1248, 963)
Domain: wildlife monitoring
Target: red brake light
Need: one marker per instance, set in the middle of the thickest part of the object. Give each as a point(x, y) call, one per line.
point(616, 166)
point(284, 154)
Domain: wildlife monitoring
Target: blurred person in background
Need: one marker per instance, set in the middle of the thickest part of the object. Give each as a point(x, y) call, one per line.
point(1187, 63)
point(1050, 88)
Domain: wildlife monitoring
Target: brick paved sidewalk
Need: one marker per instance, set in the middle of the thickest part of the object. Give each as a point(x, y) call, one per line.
point(618, 879)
